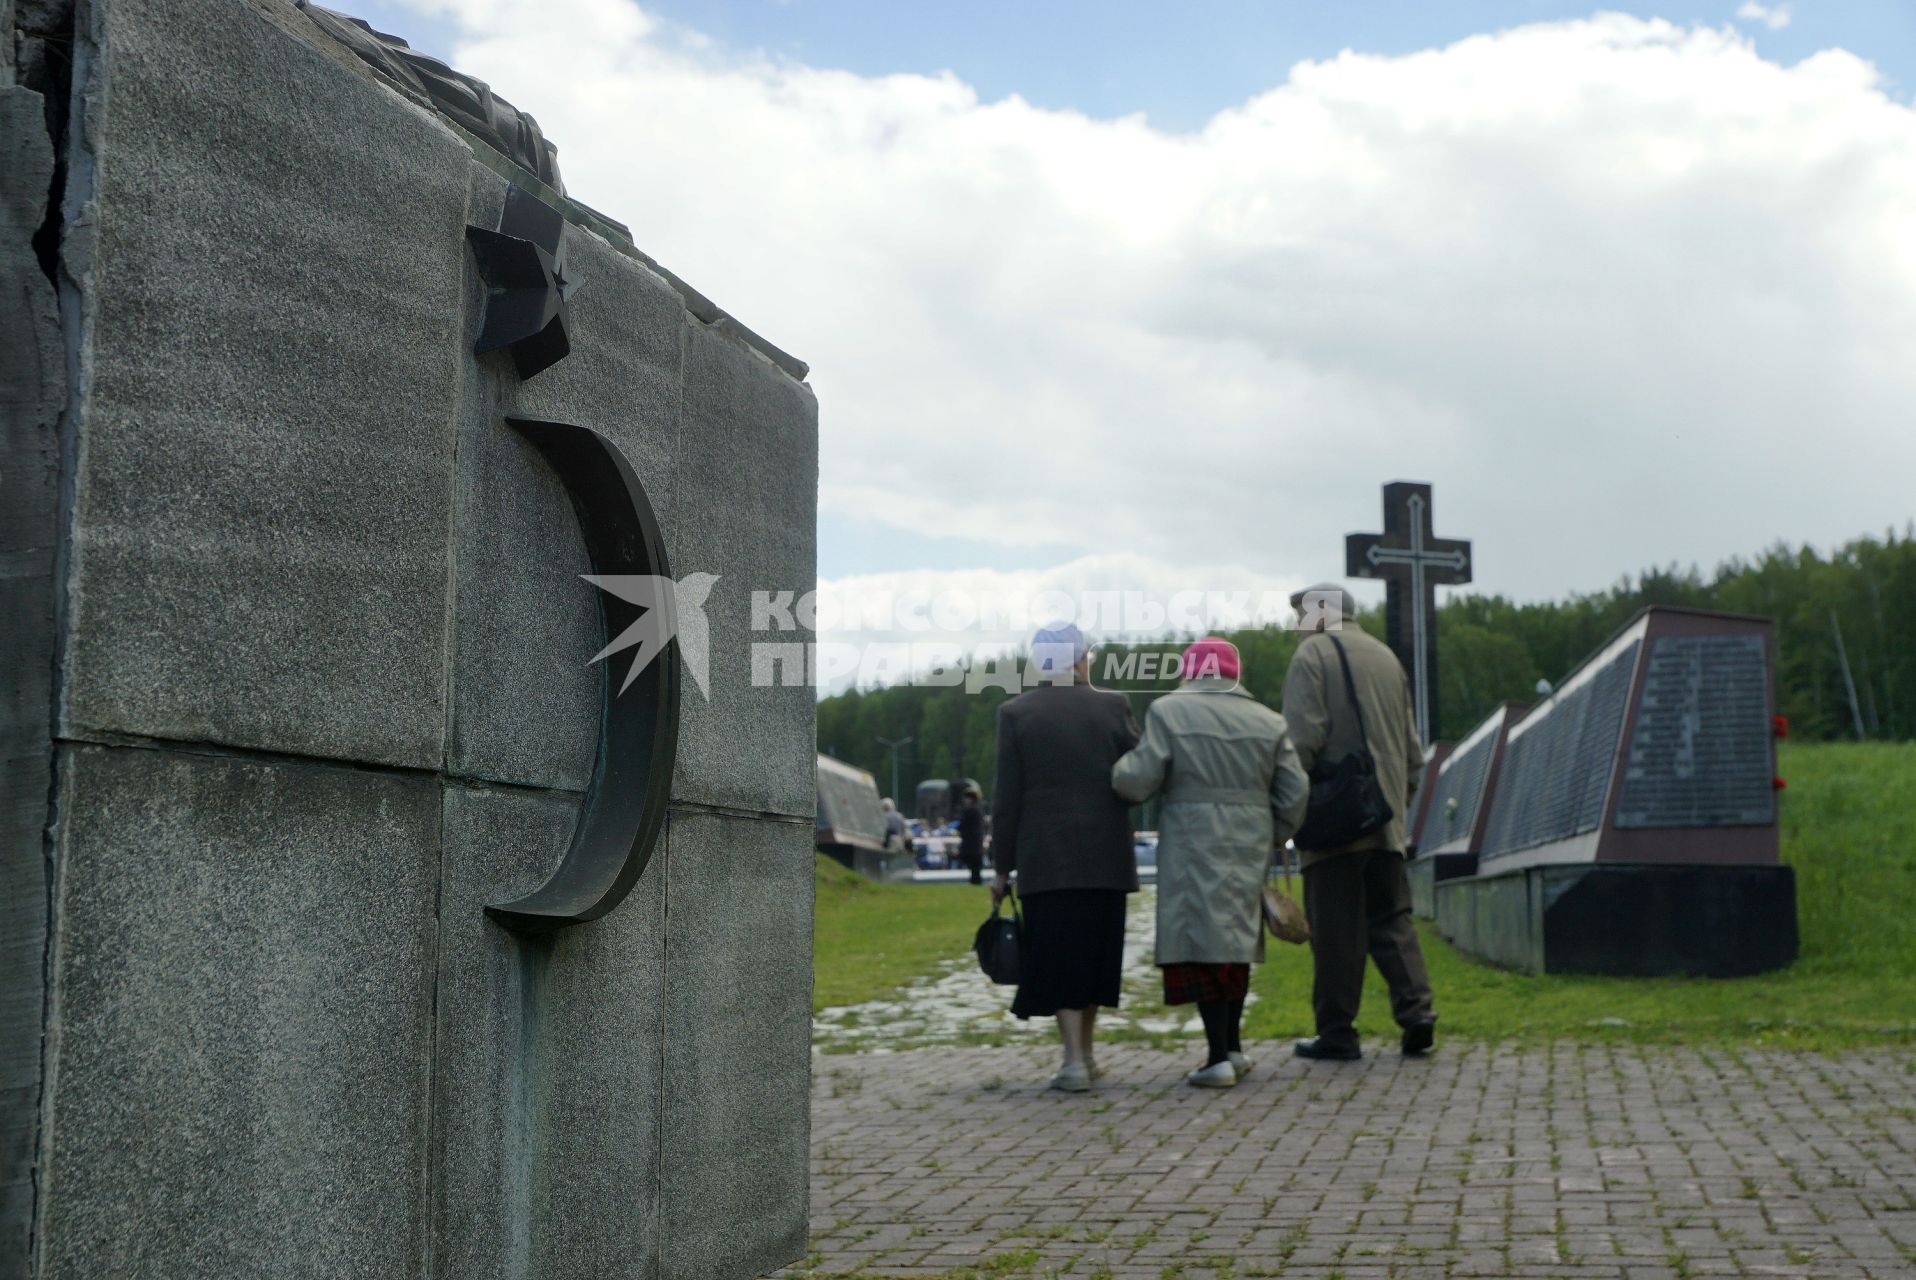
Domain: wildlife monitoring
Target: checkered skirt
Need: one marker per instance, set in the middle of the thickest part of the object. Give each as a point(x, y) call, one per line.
point(1205, 983)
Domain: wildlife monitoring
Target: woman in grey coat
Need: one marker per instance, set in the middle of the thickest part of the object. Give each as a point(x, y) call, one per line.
point(1233, 792)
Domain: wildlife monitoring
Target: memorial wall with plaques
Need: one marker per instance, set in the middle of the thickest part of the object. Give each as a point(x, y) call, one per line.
point(1632, 823)
point(1456, 807)
point(1421, 901)
point(1434, 756)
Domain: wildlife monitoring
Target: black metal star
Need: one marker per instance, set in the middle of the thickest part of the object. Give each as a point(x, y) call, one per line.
point(523, 266)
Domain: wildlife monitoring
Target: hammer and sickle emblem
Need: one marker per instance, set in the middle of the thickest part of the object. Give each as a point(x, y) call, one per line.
point(624, 808)
point(522, 265)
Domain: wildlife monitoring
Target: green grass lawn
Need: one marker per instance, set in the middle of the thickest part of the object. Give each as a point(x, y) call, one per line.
point(1848, 827)
point(870, 938)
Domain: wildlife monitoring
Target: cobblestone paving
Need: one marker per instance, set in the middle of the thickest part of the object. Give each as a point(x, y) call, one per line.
point(955, 1003)
point(1594, 1163)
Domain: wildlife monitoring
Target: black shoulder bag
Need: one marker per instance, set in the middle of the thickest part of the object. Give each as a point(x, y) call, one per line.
point(1347, 802)
point(999, 941)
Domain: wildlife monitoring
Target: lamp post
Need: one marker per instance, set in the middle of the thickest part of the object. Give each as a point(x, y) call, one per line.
point(894, 744)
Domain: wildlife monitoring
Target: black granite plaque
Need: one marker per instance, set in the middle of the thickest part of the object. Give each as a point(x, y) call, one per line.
point(1700, 753)
point(1460, 783)
point(1557, 772)
point(1631, 825)
point(1597, 744)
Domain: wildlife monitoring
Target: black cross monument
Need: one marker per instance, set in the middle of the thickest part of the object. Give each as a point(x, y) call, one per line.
point(1413, 562)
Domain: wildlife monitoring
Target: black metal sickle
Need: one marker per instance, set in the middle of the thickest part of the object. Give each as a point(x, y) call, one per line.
point(624, 808)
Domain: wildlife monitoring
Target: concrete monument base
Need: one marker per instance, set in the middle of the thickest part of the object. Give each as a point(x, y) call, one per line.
point(1430, 869)
point(1625, 919)
point(874, 864)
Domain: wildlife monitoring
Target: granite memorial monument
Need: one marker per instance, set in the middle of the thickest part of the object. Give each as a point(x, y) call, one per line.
point(1633, 824)
point(358, 922)
point(1456, 807)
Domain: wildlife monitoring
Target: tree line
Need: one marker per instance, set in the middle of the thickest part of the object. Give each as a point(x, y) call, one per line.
point(1845, 641)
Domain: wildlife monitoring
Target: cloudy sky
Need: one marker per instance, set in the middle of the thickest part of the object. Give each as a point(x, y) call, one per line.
point(1094, 297)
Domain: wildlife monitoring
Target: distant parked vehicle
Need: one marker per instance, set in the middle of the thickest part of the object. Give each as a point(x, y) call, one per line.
point(1145, 846)
point(933, 803)
point(851, 825)
point(938, 799)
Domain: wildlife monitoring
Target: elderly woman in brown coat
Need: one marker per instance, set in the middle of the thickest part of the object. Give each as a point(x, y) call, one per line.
point(1233, 792)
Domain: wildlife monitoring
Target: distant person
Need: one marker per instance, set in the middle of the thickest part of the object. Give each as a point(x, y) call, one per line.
point(1357, 897)
point(1067, 835)
point(971, 835)
point(1233, 792)
point(894, 824)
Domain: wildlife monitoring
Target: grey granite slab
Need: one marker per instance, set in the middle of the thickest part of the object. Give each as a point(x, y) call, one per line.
point(271, 260)
point(525, 702)
point(745, 508)
point(548, 1058)
point(624, 375)
point(32, 394)
point(242, 995)
point(738, 999)
point(284, 1039)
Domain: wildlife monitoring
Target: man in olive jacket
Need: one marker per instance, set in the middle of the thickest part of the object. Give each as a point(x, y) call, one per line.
point(1357, 896)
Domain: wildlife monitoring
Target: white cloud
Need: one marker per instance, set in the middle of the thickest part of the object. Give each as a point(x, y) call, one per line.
point(904, 618)
point(1624, 291)
point(1773, 16)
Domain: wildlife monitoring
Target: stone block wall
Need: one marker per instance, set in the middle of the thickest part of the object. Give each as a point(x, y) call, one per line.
point(296, 683)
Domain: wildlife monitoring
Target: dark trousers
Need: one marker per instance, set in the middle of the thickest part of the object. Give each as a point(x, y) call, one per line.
point(1359, 904)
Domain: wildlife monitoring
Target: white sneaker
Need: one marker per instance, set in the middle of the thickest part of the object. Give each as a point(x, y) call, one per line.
point(1092, 1067)
point(1219, 1075)
point(1241, 1064)
point(1072, 1079)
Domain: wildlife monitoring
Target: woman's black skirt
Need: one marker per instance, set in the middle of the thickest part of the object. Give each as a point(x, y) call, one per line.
point(1073, 951)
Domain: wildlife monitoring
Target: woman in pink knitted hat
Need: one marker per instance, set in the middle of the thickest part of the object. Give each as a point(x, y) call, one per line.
point(1233, 792)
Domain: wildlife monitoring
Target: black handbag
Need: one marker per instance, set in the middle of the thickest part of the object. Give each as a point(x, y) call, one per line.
point(1347, 801)
point(1000, 943)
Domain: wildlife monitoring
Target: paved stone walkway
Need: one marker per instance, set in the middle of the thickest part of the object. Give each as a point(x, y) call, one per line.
point(1594, 1163)
point(955, 1003)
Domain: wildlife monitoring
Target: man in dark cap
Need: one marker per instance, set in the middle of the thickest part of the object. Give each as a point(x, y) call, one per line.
point(1358, 895)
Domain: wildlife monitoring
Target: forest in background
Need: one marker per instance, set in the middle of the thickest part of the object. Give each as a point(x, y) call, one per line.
point(1858, 603)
